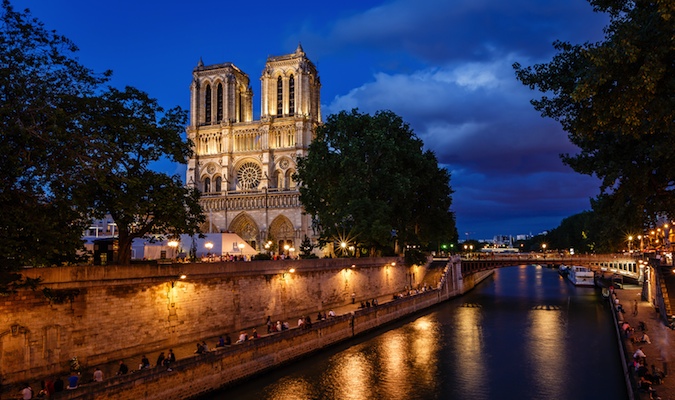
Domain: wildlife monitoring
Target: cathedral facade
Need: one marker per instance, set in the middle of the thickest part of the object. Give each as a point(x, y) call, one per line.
point(244, 168)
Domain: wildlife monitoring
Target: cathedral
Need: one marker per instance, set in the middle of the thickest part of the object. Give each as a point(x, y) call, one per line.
point(244, 168)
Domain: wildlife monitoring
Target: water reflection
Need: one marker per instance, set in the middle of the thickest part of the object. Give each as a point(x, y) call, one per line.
point(546, 333)
point(522, 334)
point(291, 389)
point(468, 354)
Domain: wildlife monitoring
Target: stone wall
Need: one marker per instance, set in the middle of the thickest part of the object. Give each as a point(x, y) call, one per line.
point(199, 375)
point(122, 311)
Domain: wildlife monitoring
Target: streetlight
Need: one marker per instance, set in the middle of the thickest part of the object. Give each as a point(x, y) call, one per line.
point(173, 243)
point(630, 243)
point(543, 247)
point(241, 247)
point(208, 246)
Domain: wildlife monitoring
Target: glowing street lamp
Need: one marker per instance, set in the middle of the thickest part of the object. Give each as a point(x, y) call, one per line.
point(173, 244)
point(241, 247)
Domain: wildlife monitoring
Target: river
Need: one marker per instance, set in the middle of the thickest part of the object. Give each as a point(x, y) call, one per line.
point(524, 333)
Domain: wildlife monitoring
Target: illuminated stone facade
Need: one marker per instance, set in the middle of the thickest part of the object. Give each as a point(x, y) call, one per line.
point(244, 167)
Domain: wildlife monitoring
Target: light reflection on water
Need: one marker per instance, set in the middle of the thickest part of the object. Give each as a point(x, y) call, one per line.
point(522, 334)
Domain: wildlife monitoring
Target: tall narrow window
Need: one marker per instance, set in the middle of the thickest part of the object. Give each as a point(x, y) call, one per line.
point(207, 104)
point(219, 184)
point(291, 96)
point(207, 185)
point(280, 97)
point(219, 103)
point(241, 107)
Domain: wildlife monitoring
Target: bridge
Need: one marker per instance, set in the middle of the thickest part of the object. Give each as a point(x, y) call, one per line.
point(613, 263)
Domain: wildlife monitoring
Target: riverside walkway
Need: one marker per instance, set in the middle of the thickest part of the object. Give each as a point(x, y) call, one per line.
point(661, 349)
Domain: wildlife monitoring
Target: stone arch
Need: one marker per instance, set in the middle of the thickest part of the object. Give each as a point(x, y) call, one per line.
point(14, 349)
point(282, 230)
point(246, 227)
point(208, 226)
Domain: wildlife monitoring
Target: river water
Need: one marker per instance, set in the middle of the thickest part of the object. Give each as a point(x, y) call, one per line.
point(524, 333)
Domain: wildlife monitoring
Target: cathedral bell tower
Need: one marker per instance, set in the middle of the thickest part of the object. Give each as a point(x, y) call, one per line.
point(244, 168)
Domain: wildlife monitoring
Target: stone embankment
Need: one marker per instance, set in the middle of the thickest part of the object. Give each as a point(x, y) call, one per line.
point(122, 313)
point(200, 374)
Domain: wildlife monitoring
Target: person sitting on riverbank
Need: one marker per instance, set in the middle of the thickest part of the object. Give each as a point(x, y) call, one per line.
point(242, 337)
point(160, 360)
point(123, 368)
point(145, 363)
point(73, 381)
point(331, 313)
point(657, 376)
point(639, 355)
point(645, 338)
point(645, 385)
point(200, 349)
point(27, 392)
point(221, 342)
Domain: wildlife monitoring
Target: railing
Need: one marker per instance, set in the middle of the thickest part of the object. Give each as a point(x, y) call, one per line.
point(625, 266)
point(252, 201)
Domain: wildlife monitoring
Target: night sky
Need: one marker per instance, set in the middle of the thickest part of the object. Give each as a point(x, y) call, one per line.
point(444, 66)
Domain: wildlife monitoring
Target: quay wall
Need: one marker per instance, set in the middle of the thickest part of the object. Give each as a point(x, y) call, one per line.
point(121, 311)
point(199, 375)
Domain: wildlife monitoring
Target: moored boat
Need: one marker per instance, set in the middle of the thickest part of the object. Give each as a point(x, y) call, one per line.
point(564, 270)
point(581, 276)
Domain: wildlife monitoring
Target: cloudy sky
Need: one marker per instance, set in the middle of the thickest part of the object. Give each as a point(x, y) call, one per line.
point(444, 66)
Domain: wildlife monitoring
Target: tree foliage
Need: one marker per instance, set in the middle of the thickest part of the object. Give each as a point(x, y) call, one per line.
point(615, 99)
point(369, 176)
point(131, 132)
point(69, 145)
point(40, 84)
point(576, 232)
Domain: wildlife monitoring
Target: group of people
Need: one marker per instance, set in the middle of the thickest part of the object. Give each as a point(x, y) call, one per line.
point(49, 387)
point(645, 379)
point(368, 304)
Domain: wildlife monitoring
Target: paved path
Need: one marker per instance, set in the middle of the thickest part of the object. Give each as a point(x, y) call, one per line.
point(662, 347)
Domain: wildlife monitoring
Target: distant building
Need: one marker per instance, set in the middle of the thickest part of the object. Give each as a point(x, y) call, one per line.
point(243, 167)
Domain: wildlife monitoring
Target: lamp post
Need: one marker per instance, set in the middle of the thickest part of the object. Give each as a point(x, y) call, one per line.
point(630, 243)
point(208, 246)
point(173, 244)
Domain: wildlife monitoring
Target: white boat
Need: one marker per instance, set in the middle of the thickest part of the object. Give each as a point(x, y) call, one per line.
point(581, 276)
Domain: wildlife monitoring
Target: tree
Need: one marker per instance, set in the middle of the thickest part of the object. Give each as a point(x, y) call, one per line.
point(69, 145)
point(40, 86)
point(306, 248)
point(132, 131)
point(615, 99)
point(368, 176)
point(576, 232)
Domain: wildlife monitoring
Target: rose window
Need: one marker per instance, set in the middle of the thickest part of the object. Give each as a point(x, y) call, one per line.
point(249, 175)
